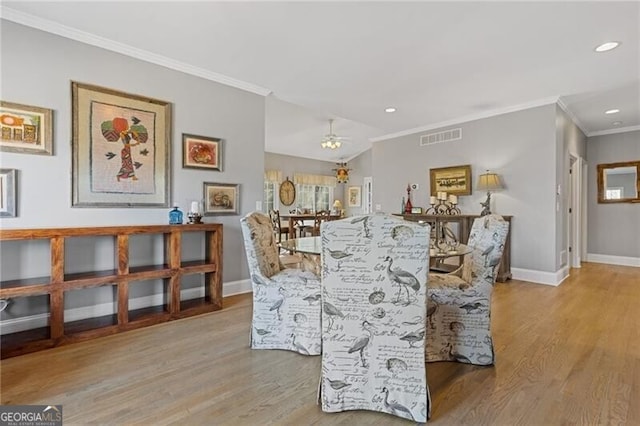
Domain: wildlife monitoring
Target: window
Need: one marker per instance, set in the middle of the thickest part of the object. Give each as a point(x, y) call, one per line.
point(269, 197)
point(614, 194)
point(313, 197)
point(272, 180)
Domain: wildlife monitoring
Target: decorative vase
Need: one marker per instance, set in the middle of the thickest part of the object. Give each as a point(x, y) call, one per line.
point(175, 216)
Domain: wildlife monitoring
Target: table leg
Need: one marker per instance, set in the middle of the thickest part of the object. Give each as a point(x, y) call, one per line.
point(292, 231)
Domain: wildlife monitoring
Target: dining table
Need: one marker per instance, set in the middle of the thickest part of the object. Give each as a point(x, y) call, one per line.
point(311, 247)
point(299, 218)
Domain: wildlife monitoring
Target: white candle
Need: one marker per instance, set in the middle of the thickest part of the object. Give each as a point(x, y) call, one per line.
point(453, 199)
point(432, 200)
point(195, 207)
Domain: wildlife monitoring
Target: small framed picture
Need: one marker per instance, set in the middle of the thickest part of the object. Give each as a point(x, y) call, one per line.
point(221, 198)
point(354, 196)
point(201, 152)
point(8, 193)
point(26, 129)
point(416, 210)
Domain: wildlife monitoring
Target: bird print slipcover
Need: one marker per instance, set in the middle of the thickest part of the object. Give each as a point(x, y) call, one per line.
point(286, 302)
point(459, 311)
point(374, 275)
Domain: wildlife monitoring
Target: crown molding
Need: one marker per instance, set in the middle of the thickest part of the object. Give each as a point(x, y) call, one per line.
point(571, 115)
point(104, 43)
point(467, 118)
point(614, 131)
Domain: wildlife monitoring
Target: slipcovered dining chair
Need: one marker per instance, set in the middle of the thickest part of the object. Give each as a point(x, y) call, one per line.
point(374, 275)
point(458, 310)
point(286, 302)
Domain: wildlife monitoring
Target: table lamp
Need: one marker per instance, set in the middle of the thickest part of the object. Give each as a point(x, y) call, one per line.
point(337, 207)
point(488, 182)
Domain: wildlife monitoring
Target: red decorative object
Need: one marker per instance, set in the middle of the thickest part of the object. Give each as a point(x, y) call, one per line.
point(408, 206)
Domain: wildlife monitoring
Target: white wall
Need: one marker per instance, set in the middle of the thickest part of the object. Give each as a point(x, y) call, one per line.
point(37, 69)
point(614, 229)
point(520, 146)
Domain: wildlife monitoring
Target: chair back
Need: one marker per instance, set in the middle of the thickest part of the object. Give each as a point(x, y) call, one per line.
point(320, 217)
point(487, 238)
point(260, 244)
point(374, 279)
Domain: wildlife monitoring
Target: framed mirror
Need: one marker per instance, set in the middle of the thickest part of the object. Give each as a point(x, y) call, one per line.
point(619, 182)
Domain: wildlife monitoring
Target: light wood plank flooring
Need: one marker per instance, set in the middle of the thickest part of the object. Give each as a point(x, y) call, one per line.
point(565, 355)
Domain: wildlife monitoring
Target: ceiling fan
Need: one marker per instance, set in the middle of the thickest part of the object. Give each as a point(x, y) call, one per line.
point(331, 140)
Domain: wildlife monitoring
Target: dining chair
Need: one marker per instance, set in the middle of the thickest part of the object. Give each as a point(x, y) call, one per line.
point(286, 302)
point(459, 310)
point(320, 217)
point(276, 222)
point(374, 275)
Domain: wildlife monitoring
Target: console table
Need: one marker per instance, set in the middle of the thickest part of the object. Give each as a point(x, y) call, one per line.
point(464, 222)
point(59, 281)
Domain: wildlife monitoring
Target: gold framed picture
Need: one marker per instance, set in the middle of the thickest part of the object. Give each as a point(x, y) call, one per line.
point(452, 180)
point(120, 149)
point(354, 196)
point(26, 129)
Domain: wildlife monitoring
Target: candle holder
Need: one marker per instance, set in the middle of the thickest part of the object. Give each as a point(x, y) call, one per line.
point(443, 206)
point(194, 218)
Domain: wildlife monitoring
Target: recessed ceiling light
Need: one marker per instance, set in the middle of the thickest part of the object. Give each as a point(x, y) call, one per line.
point(605, 47)
point(390, 109)
point(617, 123)
point(612, 111)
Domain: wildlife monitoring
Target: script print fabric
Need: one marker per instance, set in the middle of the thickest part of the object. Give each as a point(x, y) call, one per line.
point(286, 302)
point(374, 274)
point(459, 312)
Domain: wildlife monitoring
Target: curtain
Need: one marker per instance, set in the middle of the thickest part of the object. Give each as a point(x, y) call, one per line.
point(304, 179)
point(274, 176)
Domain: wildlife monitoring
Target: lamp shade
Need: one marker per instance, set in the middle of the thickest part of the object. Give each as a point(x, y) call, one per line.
point(489, 182)
point(337, 204)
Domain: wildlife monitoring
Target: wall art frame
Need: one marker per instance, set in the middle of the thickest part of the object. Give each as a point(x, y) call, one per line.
point(201, 152)
point(120, 148)
point(452, 180)
point(8, 193)
point(221, 198)
point(354, 196)
point(26, 129)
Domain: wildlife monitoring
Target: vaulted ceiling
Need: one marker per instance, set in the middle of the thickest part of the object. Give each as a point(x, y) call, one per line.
point(436, 62)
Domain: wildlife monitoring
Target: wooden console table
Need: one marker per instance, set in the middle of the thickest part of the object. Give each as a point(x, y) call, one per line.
point(464, 222)
point(59, 331)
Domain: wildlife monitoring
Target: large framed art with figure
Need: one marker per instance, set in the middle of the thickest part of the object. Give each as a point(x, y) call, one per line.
point(120, 148)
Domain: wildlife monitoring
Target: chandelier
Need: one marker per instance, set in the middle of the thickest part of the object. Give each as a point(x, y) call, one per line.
point(331, 141)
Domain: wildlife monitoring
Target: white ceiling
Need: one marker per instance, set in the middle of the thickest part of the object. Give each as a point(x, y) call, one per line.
point(436, 62)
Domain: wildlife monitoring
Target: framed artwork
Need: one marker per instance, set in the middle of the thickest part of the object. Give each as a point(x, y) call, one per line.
point(8, 187)
point(26, 129)
point(221, 198)
point(452, 180)
point(354, 196)
point(201, 152)
point(120, 149)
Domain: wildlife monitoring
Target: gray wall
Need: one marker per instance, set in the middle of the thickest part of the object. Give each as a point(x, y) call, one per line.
point(520, 146)
point(614, 228)
point(37, 69)
point(570, 142)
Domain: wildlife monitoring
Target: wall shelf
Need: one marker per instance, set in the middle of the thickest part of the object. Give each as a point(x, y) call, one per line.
point(58, 283)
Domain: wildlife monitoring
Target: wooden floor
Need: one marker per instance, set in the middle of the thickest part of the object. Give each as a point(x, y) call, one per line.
point(565, 355)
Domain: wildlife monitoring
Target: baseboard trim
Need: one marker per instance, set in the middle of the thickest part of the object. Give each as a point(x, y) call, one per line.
point(613, 260)
point(29, 322)
point(541, 277)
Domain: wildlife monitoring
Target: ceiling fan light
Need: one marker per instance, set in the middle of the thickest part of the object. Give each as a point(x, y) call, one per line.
point(338, 144)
